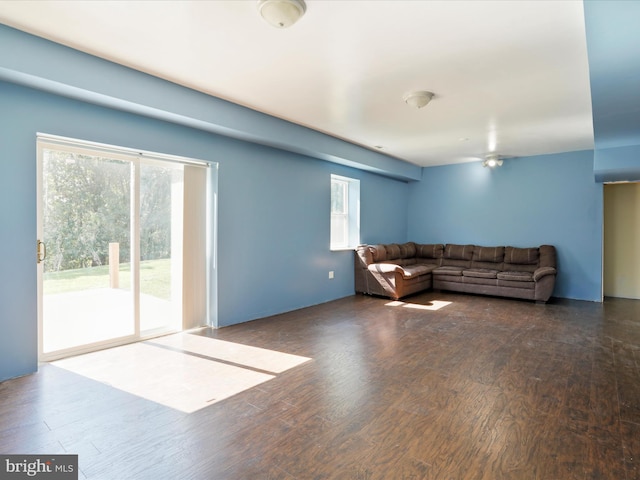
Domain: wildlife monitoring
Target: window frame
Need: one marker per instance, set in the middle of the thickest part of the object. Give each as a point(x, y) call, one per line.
point(349, 217)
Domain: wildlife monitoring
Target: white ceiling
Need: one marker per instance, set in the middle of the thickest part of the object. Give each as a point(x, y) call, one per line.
point(509, 77)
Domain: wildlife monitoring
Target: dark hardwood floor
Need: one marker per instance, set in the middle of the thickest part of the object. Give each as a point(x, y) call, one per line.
point(482, 388)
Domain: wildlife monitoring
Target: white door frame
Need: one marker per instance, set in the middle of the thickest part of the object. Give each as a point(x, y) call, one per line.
point(135, 157)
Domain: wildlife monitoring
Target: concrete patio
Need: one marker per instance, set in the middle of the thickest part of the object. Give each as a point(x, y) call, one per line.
point(96, 315)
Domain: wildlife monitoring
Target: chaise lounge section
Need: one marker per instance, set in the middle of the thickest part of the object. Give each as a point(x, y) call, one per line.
point(398, 270)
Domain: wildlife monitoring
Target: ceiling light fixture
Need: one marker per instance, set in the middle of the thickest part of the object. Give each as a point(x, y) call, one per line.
point(492, 160)
point(418, 99)
point(281, 13)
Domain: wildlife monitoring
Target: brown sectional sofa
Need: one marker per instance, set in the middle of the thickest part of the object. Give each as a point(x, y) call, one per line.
point(398, 270)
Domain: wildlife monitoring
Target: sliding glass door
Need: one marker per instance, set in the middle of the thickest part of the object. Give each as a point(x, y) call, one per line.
point(110, 247)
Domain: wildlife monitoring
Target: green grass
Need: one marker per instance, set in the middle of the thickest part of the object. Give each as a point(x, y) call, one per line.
point(155, 279)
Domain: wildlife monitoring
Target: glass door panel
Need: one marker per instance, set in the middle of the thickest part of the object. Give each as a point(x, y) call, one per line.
point(87, 294)
point(161, 206)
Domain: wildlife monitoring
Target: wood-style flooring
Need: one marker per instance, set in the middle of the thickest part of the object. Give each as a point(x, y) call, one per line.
point(480, 388)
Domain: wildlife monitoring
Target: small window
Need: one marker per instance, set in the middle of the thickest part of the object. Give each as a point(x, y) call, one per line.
point(345, 212)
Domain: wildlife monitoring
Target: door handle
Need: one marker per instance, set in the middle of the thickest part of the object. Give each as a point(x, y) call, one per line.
point(41, 251)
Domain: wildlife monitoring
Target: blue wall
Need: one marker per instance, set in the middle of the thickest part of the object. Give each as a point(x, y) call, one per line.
point(613, 38)
point(273, 248)
point(618, 164)
point(37, 63)
point(550, 199)
point(274, 230)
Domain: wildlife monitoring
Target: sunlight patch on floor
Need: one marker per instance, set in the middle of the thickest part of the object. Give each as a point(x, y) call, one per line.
point(182, 380)
point(253, 357)
point(432, 305)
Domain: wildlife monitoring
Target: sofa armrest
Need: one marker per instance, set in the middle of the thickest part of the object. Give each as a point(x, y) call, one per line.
point(385, 268)
point(543, 272)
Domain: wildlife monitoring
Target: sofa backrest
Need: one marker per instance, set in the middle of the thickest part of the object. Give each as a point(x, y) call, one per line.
point(457, 255)
point(521, 259)
point(429, 253)
point(548, 256)
point(408, 253)
point(491, 258)
point(467, 256)
point(401, 254)
point(396, 253)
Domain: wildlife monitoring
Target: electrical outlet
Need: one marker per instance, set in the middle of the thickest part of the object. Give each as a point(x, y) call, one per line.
point(331, 274)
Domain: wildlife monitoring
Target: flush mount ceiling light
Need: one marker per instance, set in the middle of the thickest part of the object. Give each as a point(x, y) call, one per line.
point(281, 13)
point(493, 160)
point(418, 99)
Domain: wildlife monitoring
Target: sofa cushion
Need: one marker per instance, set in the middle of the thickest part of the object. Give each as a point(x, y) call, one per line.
point(530, 286)
point(488, 254)
point(523, 256)
point(516, 276)
point(458, 252)
point(547, 256)
point(454, 271)
point(407, 250)
point(412, 271)
point(480, 273)
point(404, 261)
point(378, 253)
point(393, 251)
point(433, 250)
